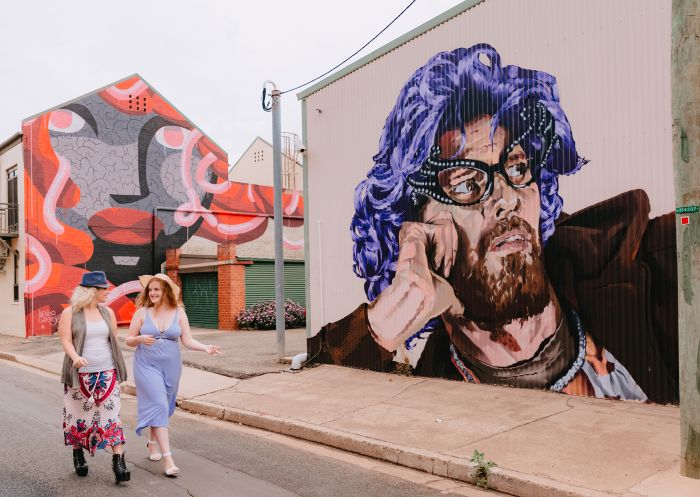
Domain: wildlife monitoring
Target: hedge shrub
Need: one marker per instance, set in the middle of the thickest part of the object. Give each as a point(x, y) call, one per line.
point(261, 316)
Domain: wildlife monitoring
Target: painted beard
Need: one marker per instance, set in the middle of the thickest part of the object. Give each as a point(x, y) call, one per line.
point(518, 290)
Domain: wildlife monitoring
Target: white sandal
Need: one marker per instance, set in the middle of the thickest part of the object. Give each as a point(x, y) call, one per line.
point(155, 456)
point(172, 471)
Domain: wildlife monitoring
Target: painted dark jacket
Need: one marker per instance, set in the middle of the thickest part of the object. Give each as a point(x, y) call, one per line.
point(610, 262)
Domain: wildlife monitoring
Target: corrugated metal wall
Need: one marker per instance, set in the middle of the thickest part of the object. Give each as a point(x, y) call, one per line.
point(260, 282)
point(600, 73)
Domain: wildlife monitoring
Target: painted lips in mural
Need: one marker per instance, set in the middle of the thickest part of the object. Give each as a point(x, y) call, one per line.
point(112, 180)
point(472, 270)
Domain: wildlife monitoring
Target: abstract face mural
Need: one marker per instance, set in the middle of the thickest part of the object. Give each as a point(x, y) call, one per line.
point(471, 269)
point(115, 178)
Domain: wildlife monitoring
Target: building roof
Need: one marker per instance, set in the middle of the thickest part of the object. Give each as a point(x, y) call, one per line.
point(392, 45)
point(137, 75)
point(17, 137)
point(232, 166)
point(257, 138)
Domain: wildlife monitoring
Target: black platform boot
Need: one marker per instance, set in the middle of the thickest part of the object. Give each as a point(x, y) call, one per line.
point(81, 467)
point(119, 467)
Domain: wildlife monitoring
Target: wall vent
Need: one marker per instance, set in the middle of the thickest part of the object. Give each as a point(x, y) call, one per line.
point(139, 104)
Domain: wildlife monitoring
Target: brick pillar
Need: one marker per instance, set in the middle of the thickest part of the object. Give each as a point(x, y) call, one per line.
point(231, 276)
point(172, 265)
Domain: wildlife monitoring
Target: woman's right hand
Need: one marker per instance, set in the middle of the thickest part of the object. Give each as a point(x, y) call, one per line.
point(147, 340)
point(80, 362)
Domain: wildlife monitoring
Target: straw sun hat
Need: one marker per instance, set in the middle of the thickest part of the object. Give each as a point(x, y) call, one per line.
point(145, 279)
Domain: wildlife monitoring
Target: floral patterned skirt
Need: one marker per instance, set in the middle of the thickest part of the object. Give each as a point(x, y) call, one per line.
point(95, 424)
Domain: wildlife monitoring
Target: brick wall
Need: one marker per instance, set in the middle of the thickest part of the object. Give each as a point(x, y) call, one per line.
point(264, 246)
point(260, 248)
point(197, 245)
point(231, 276)
point(172, 264)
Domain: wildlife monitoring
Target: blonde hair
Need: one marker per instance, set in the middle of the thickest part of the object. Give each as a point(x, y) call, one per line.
point(168, 296)
point(82, 297)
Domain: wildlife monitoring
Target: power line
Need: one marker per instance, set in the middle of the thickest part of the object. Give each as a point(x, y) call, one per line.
point(358, 51)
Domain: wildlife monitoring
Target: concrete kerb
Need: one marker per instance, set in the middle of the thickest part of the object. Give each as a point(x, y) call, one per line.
point(34, 362)
point(502, 480)
point(512, 482)
point(8, 357)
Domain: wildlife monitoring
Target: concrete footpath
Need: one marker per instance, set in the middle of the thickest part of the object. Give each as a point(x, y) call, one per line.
point(544, 444)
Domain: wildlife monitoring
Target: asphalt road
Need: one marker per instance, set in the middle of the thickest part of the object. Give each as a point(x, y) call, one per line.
point(216, 458)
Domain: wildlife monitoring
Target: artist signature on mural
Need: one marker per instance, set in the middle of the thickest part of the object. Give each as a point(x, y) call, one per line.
point(48, 316)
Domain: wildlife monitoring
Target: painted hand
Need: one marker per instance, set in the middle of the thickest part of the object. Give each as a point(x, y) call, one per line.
point(419, 290)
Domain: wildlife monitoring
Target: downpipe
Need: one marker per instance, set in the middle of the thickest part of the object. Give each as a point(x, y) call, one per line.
point(298, 360)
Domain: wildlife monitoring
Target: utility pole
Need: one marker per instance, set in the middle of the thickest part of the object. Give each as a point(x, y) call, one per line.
point(685, 82)
point(276, 107)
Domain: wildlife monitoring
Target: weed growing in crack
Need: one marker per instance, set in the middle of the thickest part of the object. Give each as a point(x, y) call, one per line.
point(482, 470)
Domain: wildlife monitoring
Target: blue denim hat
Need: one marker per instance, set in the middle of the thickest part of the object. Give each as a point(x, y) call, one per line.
point(97, 279)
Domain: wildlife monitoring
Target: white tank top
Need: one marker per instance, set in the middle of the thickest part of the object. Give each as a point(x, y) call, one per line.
point(96, 349)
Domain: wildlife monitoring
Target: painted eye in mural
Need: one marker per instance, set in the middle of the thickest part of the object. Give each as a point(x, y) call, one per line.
point(65, 121)
point(172, 136)
point(463, 184)
point(519, 174)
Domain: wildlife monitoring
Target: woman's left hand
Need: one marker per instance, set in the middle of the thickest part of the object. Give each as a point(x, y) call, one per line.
point(212, 349)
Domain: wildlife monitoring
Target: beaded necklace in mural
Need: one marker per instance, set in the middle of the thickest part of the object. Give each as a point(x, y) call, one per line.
point(580, 358)
point(559, 384)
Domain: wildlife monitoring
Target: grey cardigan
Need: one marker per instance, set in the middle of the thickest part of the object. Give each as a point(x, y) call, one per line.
point(69, 375)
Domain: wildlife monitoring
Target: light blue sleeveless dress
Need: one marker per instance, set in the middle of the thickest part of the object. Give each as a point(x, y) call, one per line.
point(157, 370)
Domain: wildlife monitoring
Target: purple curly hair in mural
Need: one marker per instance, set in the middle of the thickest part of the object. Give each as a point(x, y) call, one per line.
point(452, 89)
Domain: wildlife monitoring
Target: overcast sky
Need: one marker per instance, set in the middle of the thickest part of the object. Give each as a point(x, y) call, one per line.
point(209, 58)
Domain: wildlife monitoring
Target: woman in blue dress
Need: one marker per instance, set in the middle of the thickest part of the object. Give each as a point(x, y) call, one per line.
point(157, 326)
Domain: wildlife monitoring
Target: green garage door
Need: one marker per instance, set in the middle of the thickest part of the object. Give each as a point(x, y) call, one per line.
point(260, 282)
point(200, 294)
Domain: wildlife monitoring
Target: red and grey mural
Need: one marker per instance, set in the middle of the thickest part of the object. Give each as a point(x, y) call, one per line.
point(472, 269)
point(114, 178)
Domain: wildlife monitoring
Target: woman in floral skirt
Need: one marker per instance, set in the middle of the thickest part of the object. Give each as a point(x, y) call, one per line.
point(93, 369)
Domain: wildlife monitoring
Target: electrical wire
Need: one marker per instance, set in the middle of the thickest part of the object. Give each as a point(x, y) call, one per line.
point(358, 51)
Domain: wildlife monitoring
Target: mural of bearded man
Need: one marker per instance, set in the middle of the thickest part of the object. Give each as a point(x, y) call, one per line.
point(472, 270)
